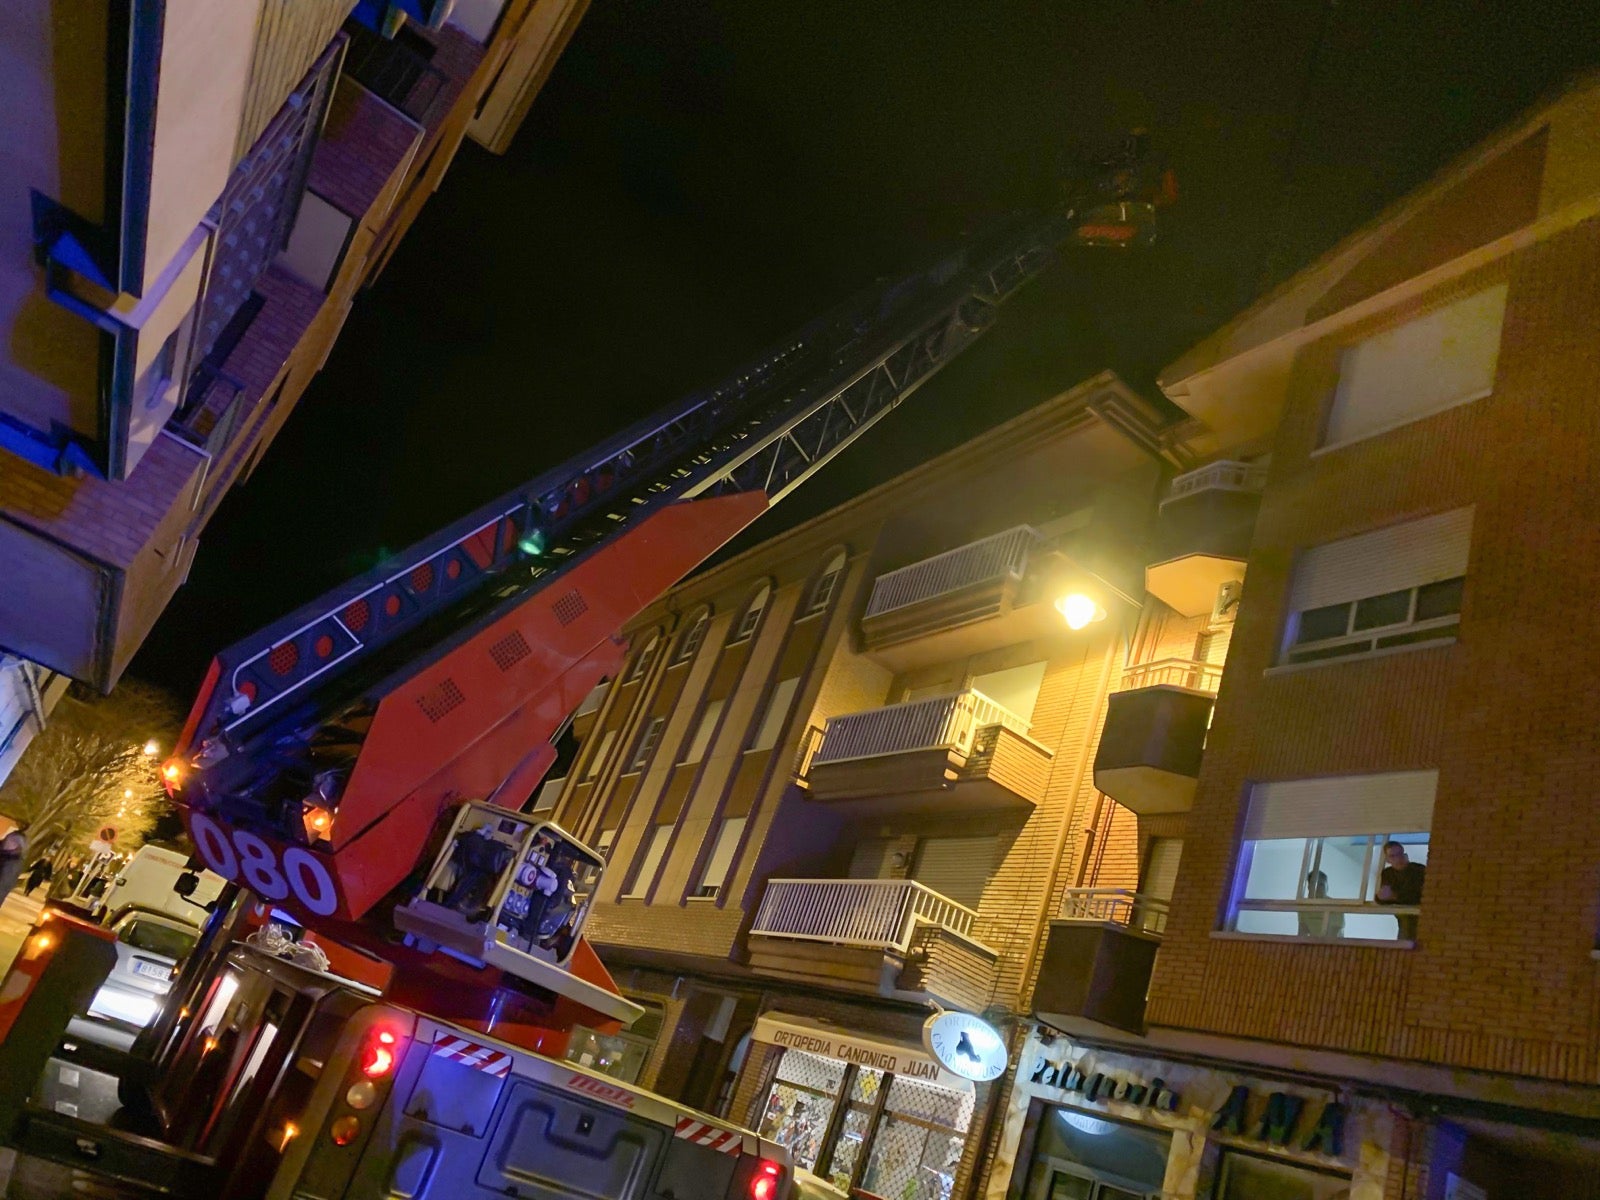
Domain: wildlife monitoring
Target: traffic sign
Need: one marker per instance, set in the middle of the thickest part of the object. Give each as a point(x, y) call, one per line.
point(108, 833)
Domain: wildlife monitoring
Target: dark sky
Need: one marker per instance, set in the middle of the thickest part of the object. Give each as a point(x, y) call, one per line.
point(700, 176)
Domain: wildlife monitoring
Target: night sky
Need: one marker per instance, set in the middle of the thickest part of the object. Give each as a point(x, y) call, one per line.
point(700, 176)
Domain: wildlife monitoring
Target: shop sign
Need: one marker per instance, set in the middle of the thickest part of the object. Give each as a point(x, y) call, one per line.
point(1284, 1114)
point(864, 1052)
point(967, 1045)
point(1097, 1085)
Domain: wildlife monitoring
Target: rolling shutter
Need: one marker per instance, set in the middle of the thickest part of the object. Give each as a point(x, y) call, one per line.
point(1385, 560)
point(956, 868)
point(776, 714)
point(1342, 806)
point(1161, 868)
point(728, 835)
point(1443, 358)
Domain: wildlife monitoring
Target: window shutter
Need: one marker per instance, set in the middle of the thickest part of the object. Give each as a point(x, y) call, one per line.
point(1442, 358)
point(1161, 870)
point(1342, 806)
point(956, 868)
point(703, 731)
point(868, 859)
point(1016, 688)
point(777, 712)
point(593, 767)
point(654, 852)
point(728, 835)
point(1385, 560)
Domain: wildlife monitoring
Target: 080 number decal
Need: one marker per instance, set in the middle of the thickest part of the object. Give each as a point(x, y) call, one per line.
point(245, 858)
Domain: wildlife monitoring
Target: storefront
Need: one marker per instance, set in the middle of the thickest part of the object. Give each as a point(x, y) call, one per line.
point(1087, 1124)
point(864, 1112)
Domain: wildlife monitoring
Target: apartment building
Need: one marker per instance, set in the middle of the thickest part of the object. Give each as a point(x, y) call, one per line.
point(198, 188)
point(1378, 977)
point(848, 778)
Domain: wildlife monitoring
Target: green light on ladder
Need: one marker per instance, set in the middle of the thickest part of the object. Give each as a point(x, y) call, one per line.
point(533, 543)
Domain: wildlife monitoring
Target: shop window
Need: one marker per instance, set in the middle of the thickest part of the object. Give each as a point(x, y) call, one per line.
point(647, 743)
point(703, 731)
point(693, 636)
point(1442, 358)
point(1247, 1176)
point(1082, 1156)
point(1339, 857)
point(777, 712)
point(1394, 587)
point(823, 589)
point(800, 1106)
point(752, 615)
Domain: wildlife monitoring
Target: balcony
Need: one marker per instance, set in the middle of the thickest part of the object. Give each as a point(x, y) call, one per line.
point(885, 937)
point(1098, 956)
point(960, 753)
point(1203, 534)
point(1148, 759)
point(958, 603)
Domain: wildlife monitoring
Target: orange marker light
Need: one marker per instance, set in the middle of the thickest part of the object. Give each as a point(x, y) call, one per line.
point(344, 1130)
point(172, 772)
point(290, 1132)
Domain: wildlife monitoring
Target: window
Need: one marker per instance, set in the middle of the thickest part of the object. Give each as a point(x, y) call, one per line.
point(752, 615)
point(642, 663)
point(827, 583)
point(1442, 358)
point(1313, 862)
point(703, 731)
point(655, 850)
point(1400, 586)
point(1243, 1176)
point(692, 637)
point(715, 875)
point(608, 838)
point(592, 767)
point(778, 705)
point(647, 743)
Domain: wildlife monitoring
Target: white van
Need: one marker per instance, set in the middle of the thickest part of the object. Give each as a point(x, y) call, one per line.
point(147, 881)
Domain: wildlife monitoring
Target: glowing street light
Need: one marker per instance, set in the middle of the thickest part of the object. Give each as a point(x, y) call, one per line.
point(1079, 610)
point(152, 748)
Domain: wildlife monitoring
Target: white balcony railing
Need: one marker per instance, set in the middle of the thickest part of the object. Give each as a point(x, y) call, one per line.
point(1004, 554)
point(1173, 672)
point(1226, 475)
point(1116, 906)
point(879, 913)
point(940, 722)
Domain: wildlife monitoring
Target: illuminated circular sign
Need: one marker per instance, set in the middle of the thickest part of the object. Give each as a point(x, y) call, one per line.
point(965, 1045)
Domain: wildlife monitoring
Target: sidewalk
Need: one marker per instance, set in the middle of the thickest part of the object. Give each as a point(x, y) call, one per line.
point(17, 915)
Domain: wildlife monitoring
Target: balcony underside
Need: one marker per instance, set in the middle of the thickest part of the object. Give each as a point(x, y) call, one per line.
point(1148, 759)
point(1005, 775)
point(1096, 970)
point(1189, 584)
point(940, 966)
point(958, 624)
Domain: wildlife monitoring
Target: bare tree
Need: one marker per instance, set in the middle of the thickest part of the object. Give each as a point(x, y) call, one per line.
point(97, 763)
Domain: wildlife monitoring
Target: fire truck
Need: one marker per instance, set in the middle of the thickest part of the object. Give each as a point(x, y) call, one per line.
point(359, 770)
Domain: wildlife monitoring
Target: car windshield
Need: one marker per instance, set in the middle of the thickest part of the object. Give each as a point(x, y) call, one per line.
point(157, 938)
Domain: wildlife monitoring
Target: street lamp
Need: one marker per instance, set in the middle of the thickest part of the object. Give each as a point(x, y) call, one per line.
point(1079, 610)
point(152, 748)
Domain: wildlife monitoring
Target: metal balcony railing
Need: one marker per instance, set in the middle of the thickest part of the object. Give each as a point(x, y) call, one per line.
point(1005, 554)
point(1116, 906)
point(882, 914)
point(1173, 672)
point(1226, 475)
point(942, 721)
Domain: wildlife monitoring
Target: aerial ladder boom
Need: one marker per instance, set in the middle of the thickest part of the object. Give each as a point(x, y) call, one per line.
point(324, 753)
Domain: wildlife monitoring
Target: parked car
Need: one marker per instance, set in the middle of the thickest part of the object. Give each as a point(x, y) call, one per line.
point(149, 947)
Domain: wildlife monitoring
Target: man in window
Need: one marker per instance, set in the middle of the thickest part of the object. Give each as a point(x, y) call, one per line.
point(1401, 883)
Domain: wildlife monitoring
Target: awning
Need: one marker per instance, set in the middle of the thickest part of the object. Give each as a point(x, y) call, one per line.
point(829, 1041)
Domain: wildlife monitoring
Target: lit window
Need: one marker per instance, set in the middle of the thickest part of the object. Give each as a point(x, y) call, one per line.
point(777, 713)
point(703, 732)
point(597, 760)
point(608, 838)
point(647, 743)
point(752, 615)
point(827, 583)
point(692, 637)
point(641, 664)
point(1335, 857)
point(1394, 587)
point(715, 876)
point(1442, 358)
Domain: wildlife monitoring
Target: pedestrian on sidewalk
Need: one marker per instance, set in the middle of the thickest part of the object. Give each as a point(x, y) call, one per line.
point(40, 872)
point(13, 849)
